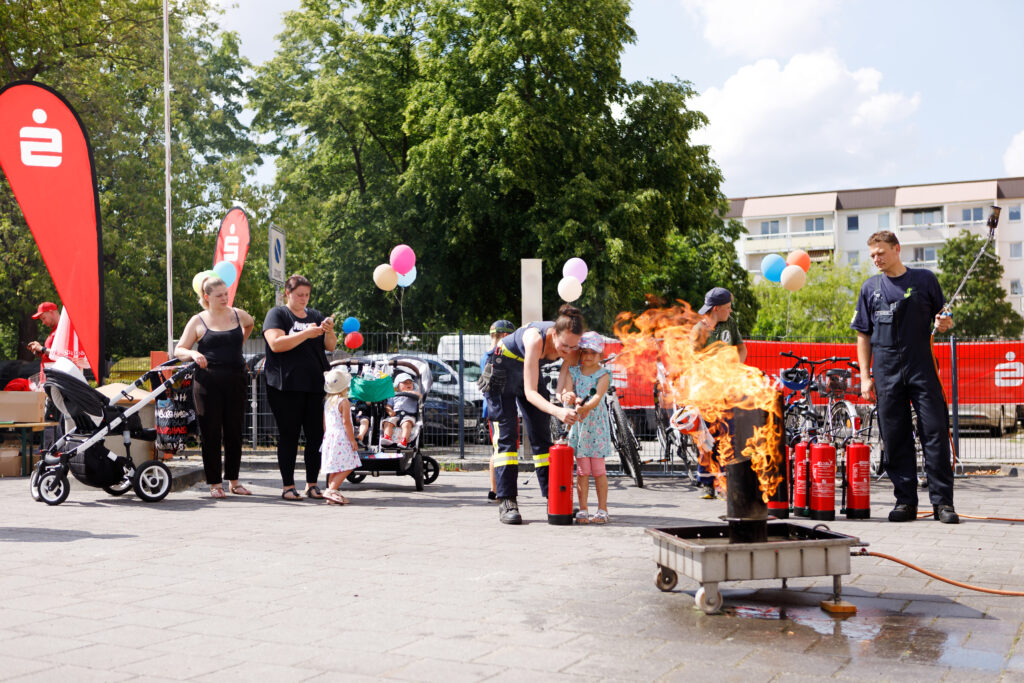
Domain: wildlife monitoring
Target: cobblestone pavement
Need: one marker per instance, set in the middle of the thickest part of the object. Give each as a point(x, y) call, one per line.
point(429, 586)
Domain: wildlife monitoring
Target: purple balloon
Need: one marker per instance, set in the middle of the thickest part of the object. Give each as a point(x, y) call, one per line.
point(575, 267)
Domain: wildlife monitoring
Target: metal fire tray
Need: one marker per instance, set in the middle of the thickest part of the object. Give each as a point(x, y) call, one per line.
point(704, 554)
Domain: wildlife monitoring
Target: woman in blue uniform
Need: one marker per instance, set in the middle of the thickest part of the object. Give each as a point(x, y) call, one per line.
point(512, 378)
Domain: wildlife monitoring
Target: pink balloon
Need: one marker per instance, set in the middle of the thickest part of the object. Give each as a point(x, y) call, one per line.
point(403, 258)
point(575, 267)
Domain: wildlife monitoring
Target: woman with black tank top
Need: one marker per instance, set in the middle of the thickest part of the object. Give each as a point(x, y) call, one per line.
point(297, 338)
point(516, 388)
point(219, 387)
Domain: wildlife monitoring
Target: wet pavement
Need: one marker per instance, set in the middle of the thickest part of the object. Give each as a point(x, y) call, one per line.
point(424, 586)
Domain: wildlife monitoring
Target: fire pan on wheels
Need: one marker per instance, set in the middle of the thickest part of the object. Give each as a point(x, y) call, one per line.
point(749, 546)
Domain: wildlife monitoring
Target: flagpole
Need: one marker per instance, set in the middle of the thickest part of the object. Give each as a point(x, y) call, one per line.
point(167, 178)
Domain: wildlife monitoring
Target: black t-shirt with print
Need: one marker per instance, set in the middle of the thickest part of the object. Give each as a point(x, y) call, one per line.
point(301, 368)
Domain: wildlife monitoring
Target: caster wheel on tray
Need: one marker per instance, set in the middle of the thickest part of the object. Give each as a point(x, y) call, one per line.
point(666, 579)
point(709, 601)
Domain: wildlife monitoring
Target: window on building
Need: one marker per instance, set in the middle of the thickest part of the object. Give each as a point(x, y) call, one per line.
point(1015, 288)
point(769, 227)
point(1015, 213)
point(814, 224)
point(924, 254)
point(1015, 249)
point(973, 215)
point(922, 216)
point(853, 258)
point(883, 221)
point(853, 223)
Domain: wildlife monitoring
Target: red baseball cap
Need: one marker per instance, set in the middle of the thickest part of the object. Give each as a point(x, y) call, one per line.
point(44, 307)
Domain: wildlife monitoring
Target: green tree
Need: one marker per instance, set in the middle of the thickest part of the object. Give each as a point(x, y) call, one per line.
point(105, 57)
point(821, 310)
point(480, 133)
point(981, 309)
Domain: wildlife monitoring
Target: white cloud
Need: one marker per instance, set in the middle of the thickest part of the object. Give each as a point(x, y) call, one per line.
point(764, 28)
point(1013, 157)
point(812, 124)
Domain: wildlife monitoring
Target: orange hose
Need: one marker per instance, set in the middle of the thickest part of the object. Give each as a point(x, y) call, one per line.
point(960, 514)
point(993, 591)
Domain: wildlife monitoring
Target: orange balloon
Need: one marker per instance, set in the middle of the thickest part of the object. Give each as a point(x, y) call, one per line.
point(799, 257)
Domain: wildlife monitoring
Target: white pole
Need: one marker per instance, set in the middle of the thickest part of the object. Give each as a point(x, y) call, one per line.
point(167, 177)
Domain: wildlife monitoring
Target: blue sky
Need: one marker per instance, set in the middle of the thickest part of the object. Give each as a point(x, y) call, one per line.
point(808, 95)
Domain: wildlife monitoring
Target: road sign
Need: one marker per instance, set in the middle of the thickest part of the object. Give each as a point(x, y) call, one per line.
point(276, 259)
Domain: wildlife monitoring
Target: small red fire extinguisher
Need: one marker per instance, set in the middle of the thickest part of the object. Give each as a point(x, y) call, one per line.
point(822, 481)
point(801, 464)
point(858, 481)
point(560, 459)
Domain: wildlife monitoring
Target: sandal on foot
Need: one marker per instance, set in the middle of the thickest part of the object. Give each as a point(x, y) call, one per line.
point(335, 498)
point(217, 492)
point(240, 491)
point(600, 518)
point(583, 517)
point(313, 491)
point(291, 494)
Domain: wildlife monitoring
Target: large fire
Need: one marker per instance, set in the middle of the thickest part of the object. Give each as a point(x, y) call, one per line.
point(712, 381)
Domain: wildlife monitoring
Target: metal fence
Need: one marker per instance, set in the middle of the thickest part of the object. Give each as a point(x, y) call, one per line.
point(984, 381)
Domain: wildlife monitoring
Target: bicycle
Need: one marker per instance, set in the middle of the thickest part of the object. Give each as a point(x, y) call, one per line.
point(800, 413)
point(674, 444)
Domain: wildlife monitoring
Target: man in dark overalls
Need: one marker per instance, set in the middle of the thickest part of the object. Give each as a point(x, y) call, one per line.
point(896, 312)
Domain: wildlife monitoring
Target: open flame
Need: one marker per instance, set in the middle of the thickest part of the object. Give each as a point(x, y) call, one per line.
point(657, 343)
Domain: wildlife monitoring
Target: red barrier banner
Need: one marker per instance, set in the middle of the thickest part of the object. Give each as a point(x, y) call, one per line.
point(233, 245)
point(45, 155)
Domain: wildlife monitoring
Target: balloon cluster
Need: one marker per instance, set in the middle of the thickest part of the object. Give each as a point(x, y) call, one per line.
point(400, 271)
point(225, 270)
point(350, 328)
point(574, 272)
point(790, 272)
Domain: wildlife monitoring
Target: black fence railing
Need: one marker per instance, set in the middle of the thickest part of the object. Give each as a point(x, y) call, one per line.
point(984, 383)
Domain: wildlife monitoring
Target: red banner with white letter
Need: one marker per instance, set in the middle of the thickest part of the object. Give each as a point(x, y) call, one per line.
point(45, 155)
point(233, 245)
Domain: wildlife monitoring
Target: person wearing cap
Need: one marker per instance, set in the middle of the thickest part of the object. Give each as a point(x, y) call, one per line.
point(716, 325)
point(499, 330)
point(338, 451)
point(402, 409)
point(48, 314)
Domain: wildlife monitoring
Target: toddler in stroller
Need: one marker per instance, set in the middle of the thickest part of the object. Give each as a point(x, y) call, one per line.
point(89, 417)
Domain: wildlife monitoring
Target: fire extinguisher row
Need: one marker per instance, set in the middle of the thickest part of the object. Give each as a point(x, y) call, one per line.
point(814, 480)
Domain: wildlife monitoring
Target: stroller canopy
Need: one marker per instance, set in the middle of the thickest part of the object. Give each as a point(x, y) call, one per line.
point(73, 397)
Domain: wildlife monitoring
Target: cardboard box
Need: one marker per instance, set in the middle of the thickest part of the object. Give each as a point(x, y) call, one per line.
point(22, 406)
point(10, 463)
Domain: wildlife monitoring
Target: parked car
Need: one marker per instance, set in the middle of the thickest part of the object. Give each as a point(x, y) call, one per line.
point(995, 418)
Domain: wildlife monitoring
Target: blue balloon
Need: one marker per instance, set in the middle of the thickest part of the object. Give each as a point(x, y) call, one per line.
point(772, 266)
point(408, 278)
point(226, 271)
point(350, 325)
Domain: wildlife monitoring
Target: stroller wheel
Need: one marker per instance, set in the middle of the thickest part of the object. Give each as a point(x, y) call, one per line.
point(33, 485)
point(356, 477)
point(430, 470)
point(120, 488)
point(54, 488)
point(152, 481)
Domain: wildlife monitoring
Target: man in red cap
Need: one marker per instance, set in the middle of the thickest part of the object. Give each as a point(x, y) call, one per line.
point(48, 314)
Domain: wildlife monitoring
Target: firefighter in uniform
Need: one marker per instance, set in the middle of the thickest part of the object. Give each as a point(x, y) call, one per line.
point(896, 311)
point(511, 379)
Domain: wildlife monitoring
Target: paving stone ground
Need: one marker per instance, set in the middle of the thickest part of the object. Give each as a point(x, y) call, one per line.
point(429, 586)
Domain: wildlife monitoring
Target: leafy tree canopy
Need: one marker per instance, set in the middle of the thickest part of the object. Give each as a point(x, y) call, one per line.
point(820, 311)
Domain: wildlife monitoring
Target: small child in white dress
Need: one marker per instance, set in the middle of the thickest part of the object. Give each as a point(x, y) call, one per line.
point(338, 452)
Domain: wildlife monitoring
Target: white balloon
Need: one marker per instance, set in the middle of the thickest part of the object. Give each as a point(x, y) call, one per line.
point(385, 277)
point(793, 278)
point(569, 288)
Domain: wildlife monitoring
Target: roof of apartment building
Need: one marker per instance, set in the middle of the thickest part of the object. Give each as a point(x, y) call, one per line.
point(876, 197)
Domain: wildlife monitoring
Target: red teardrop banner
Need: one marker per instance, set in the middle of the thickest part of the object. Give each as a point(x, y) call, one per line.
point(233, 245)
point(46, 157)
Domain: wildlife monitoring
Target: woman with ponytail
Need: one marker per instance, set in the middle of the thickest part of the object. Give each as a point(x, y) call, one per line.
point(512, 379)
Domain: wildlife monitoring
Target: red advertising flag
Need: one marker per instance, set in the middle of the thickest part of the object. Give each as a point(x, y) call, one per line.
point(233, 245)
point(45, 155)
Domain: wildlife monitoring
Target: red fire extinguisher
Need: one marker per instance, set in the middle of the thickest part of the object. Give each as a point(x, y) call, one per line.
point(858, 481)
point(560, 458)
point(823, 481)
point(801, 464)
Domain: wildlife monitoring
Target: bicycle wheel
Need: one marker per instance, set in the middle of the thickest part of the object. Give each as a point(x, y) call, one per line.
point(663, 433)
point(629, 454)
point(841, 421)
point(689, 457)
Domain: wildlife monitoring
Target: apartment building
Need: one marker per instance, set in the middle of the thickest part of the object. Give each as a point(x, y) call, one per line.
point(833, 226)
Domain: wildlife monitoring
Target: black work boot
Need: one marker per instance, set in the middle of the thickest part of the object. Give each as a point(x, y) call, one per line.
point(903, 512)
point(945, 514)
point(508, 511)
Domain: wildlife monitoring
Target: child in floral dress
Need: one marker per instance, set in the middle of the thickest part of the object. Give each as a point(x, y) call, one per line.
point(338, 456)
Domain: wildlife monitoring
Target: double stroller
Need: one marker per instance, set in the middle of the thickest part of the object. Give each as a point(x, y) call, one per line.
point(370, 391)
point(88, 418)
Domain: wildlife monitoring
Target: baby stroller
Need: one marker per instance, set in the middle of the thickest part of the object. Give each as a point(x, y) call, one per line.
point(374, 392)
point(89, 417)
